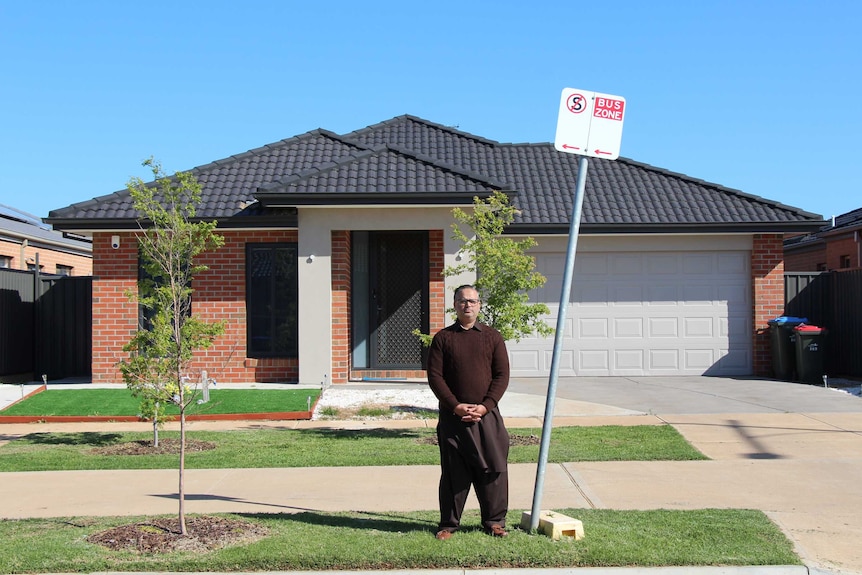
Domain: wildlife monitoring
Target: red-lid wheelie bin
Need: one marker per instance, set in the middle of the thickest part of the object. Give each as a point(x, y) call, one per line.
point(809, 353)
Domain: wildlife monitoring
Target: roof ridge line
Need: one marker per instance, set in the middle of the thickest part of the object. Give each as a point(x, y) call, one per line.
point(377, 151)
point(418, 120)
point(437, 163)
point(321, 168)
point(275, 146)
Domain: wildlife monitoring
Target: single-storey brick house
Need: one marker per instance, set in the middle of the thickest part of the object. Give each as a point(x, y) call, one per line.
point(836, 246)
point(334, 247)
point(27, 243)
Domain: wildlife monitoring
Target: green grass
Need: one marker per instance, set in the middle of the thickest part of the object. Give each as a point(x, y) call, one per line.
point(119, 402)
point(319, 541)
point(315, 540)
point(328, 447)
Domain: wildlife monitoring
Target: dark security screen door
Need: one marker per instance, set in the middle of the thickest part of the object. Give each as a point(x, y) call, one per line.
point(398, 280)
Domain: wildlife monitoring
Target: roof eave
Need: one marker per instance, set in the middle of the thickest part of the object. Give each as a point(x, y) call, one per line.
point(665, 228)
point(284, 220)
point(840, 230)
point(347, 199)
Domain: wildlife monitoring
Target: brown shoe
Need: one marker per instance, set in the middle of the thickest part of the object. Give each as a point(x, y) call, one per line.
point(443, 535)
point(497, 531)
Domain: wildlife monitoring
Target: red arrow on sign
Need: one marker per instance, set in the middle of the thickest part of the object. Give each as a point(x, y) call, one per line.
point(568, 147)
point(599, 152)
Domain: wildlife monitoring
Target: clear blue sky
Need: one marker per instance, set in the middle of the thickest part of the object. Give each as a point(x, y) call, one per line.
point(753, 94)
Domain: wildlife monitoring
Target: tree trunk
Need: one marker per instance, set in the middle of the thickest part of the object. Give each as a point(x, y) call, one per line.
point(182, 486)
point(156, 426)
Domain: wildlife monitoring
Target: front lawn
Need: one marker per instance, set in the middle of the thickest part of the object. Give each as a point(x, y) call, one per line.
point(331, 447)
point(119, 402)
point(321, 541)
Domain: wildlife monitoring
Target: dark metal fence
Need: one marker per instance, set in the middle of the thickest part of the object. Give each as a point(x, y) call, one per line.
point(45, 325)
point(832, 300)
point(18, 295)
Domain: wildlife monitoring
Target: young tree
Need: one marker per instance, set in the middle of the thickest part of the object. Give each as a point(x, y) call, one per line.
point(504, 271)
point(160, 353)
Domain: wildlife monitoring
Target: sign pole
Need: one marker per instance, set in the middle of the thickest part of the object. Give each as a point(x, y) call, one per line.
point(589, 124)
point(574, 228)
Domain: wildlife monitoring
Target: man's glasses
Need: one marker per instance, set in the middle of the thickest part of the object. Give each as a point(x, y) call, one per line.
point(467, 301)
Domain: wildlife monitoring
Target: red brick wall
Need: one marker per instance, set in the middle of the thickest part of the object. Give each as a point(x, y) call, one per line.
point(827, 250)
point(49, 258)
point(219, 295)
point(115, 318)
point(843, 245)
point(436, 282)
point(805, 259)
point(767, 276)
point(340, 306)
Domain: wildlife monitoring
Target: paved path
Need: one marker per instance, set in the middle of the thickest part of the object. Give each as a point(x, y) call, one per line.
point(793, 451)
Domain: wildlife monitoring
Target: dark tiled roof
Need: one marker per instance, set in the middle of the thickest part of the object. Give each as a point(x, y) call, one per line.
point(620, 193)
point(848, 220)
point(376, 174)
point(228, 185)
point(410, 160)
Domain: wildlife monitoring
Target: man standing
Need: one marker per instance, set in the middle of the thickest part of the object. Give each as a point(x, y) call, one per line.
point(468, 371)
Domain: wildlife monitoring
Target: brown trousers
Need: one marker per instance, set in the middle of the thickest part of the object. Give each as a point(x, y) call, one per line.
point(463, 465)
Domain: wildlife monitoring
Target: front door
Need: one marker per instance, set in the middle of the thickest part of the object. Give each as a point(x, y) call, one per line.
point(390, 298)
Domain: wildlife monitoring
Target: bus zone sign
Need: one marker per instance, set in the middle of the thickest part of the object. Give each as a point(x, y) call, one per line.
point(590, 124)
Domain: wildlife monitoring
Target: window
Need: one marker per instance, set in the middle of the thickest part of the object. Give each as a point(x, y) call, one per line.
point(272, 300)
point(64, 270)
point(845, 262)
point(5, 261)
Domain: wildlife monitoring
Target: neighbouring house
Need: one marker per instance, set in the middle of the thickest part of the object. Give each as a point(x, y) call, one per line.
point(26, 242)
point(334, 247)
point(835, 246)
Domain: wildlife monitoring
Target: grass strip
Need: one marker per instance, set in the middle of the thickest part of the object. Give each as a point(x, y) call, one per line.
point(119, 402)
point(315, 540)
point(331, 447)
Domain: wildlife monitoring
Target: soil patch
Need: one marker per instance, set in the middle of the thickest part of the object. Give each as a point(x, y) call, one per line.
point(205, 533)
point(166, 446)
point(513, 440)
point(375, 412)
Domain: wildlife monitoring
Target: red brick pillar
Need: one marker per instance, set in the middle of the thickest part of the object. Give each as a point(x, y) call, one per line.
point(767, 277)
point(340, 306)
point(436, 282)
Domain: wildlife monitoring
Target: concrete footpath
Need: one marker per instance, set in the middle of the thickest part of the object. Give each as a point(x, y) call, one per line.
point(793, 451)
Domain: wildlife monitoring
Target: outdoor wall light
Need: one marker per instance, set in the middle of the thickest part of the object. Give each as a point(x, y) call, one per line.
point(310, 258)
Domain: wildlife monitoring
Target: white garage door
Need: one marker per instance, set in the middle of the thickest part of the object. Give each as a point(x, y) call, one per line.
point(645, 313)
